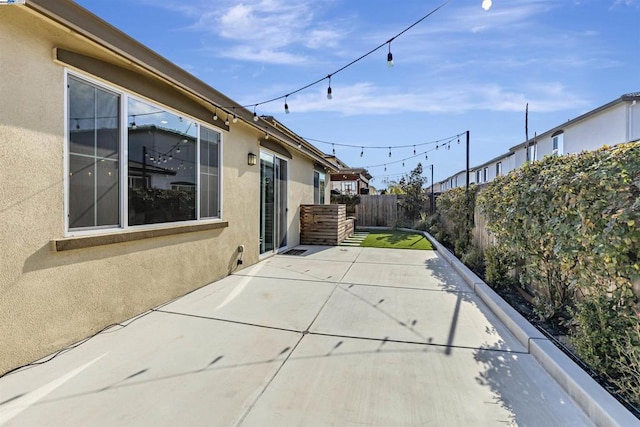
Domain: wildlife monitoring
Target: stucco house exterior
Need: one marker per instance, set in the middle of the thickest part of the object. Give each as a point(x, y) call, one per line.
point(613, 123)
point(127, 181)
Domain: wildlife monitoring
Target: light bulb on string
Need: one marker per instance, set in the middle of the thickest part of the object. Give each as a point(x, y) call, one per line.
point(437, 146)
point(458, 140)
point(486, 4)
point(255, 116)
point(385, 168)
point(361, 151)
point(402, 164)
point(389, 56)
point(449, 146)
point(333, 150)
point(286, 106)
point(426, 157)
point(329, 91)
point(414, 150)
point(389, 151)
point(178, 150)
point(215, 115)
point(235, 118)
point(226, 122)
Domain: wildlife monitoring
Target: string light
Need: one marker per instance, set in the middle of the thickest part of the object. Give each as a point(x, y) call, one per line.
point(235, 118)
point(414, 150)
point(385, 147)
point(226, 121)
point(361, 151)
point(286, 106)
point(333, 150)
point(255, 116)
point(215, 115)
point(329, 94)
point(389, 151)
point(389, 59)
point(266, 133)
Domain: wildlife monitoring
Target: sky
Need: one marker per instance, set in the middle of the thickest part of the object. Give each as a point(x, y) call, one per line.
point(461, 69)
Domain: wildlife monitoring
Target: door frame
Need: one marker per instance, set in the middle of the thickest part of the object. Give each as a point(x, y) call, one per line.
point(277, 211)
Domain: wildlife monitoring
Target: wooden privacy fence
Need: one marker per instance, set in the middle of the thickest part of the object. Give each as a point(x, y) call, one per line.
point(378, 210)
point(324, 224)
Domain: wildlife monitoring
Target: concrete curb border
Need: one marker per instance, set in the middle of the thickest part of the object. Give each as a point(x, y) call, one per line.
point(602, 408)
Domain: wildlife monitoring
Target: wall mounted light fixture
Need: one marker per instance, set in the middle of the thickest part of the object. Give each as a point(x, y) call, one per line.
point(252, 159)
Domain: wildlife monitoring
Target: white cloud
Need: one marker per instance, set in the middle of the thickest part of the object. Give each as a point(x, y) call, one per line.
point(262, 55)
point(368, 99)
point(274, 31)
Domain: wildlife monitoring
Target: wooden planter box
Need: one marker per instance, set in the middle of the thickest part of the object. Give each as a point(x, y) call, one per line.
point(324, 224)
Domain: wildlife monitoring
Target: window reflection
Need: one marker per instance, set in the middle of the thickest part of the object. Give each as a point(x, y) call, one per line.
point(209, 173)
point(94, 140)
point(162, 165)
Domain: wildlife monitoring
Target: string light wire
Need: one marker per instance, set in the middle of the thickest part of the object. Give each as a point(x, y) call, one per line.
point(328, 76)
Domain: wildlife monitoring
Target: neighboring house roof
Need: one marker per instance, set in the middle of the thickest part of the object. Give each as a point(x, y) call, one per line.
point(71, 15)
point(351, 174)
point(633, 96)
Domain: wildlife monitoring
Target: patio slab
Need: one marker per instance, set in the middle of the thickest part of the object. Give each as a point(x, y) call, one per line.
point(348, 382)
point(278, 303)
point(396, 256)
point(329, 253)
point(451, 319)
point(293, 341)
point(433, 273)
point(298, 268)
point(162, 369)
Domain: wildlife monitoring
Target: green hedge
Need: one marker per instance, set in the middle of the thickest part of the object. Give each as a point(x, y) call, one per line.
point(570, 224)
point(455, 215)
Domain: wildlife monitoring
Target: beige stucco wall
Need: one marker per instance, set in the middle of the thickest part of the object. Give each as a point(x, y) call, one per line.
point(51, 299)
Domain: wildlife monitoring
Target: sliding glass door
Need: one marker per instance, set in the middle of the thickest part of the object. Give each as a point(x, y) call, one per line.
point(273, 202)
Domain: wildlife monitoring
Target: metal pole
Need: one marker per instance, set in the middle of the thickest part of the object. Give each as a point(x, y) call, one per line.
point(432, 206)
point(467, 160)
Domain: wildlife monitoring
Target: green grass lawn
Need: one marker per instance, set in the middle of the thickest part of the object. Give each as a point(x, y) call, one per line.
point(396, 240)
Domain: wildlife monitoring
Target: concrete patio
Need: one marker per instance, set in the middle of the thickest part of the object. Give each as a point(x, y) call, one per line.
point(334, 336)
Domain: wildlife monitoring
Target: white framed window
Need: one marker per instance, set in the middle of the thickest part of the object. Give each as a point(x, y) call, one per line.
point(531, 153)
point(485, 174)
point(558, 143)
point(132, 162)
point(498, 168)
point(478, 176)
